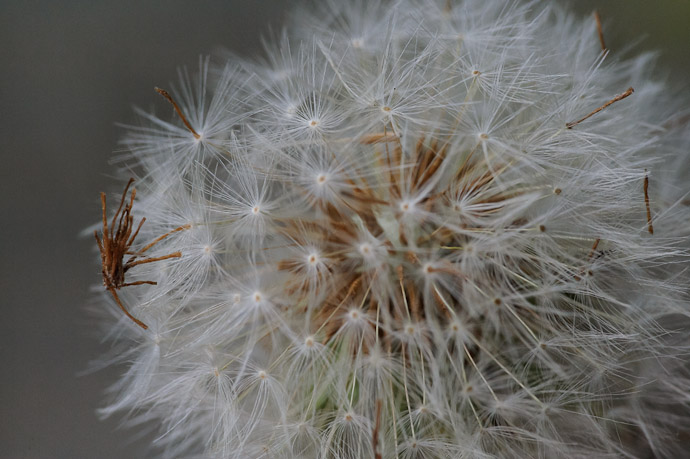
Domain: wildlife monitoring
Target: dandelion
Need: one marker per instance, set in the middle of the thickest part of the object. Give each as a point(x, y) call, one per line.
point(420, 229)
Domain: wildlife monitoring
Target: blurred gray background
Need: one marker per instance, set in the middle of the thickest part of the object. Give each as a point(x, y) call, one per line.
point(69, 71)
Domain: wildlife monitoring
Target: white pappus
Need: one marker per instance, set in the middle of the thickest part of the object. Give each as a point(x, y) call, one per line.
point(415, 229)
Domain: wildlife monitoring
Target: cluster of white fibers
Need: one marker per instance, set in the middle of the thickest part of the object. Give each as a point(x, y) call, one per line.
point(393, 244)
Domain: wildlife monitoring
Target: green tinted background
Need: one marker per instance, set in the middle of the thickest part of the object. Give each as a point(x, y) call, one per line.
point(69, 71)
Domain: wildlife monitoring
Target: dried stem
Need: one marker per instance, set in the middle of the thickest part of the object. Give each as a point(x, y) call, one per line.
point(600, 31)
point(124, 309)
point(612, 101)
point(650, 227)
point(131, 264)
point(594, 248)
point(375, 434)
point(165, 94)
point(160, 238)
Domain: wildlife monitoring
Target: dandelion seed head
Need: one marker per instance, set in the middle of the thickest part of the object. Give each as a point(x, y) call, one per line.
point(403, 234)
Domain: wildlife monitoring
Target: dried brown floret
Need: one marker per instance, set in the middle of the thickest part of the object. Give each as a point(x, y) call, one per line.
point(116, 243)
